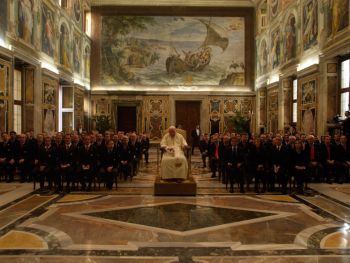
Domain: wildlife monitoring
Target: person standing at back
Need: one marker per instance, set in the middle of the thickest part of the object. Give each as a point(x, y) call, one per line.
point(195, 134)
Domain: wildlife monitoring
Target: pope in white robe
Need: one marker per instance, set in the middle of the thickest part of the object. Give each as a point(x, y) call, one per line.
point(174, 164)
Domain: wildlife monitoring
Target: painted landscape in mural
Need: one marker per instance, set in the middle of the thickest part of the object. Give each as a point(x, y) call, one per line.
point(3, 18)
point(165, 50)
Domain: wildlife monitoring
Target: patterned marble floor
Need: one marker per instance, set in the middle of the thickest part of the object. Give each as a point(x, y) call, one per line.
point(132, 225)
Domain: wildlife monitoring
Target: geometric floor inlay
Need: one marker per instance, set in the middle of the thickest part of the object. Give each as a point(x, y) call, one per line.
point(179, 216)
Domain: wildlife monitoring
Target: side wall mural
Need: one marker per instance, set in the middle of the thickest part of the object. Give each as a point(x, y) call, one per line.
point(26, 20)
point(48, 31)
point(3, 18)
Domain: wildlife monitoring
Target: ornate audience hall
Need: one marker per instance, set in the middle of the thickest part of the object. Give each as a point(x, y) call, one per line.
point(258, 89)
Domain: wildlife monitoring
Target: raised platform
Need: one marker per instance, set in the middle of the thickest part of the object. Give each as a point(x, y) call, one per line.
point(165, 187)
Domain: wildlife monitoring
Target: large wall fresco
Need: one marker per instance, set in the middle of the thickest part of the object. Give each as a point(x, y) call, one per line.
point(26, 20)
point(310, 23)
point(77, 52)
point(65, 47)
point(154, 50)
point(338, 16)
point(48, 30)
point(77, 12)
point(290, 39)
point(275, 52)
point(44, 27)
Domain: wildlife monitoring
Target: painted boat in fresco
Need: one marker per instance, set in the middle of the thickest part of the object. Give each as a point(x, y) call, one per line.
point(198, 60)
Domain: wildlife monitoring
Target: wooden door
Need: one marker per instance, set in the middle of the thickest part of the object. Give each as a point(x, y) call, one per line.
point(188, 116)
point(126, 118)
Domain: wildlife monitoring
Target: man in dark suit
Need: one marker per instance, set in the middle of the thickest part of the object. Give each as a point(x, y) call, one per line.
point(223, 147)
point(234, 160)
point(312, 149)
point(58, 141)
point(66, 160)
point(47, 162)
point(278, 161)
point(204, 149)
point(87, 163)
point(23, 154)
point(100, 148)
point(135, 148)
point(76, 141)
point(328, 157)
point(257, 158)
point(343, 160)
point(246, 147)
point(110, 165)
point(125, 157)
point(7, 161)
point(145, 146)
point(214, 155)
point(195, 134)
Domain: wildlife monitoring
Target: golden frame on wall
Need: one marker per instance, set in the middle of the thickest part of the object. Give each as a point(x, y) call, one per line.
point(49, 104)
point(307, 104)
point(5, 95)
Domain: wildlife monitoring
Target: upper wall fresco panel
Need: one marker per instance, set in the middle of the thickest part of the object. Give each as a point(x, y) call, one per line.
point(172, 49)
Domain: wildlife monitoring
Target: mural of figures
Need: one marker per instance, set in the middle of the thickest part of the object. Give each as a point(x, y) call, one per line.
point(49, 96)
point(4, 80)
point(77, 53)
point(338, 16)
point(26, 20)
point(48, 31)
point(49, 125)
point(310, 23)
point(308, 92)
point(275, 48)
point(164, 50)
point(87, 62)
point(77, 10)
point(263, 58)
point(3, 18)
point(290, 40)
point(3, 115)
point(308, 118)
point(274, 7)
point(64, 47)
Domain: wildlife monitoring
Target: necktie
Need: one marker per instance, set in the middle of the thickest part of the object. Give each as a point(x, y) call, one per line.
point(312, 153)
point(217, 151)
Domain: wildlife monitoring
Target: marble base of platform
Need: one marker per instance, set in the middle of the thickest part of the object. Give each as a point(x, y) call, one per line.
point(172, 187)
